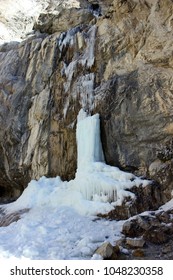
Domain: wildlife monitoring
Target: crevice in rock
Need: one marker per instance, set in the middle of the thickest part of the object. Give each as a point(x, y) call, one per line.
point(96, 10)
point(9, 194)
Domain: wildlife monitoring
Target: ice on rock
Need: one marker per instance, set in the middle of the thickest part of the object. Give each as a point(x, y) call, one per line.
point(97, 187)
point(95, 179)
point(60, 222)
point(85, 91)
point(67, 38)
point(88, 57)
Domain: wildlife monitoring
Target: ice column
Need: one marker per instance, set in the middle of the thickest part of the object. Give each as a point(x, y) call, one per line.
point(88, 140)
point(96, 180)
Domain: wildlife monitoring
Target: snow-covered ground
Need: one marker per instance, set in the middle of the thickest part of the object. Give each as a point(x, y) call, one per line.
point(62, 222)
point(55, 233)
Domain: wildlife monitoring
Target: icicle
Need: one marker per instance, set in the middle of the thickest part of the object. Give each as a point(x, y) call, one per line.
point(88, 57)
point(67, 38)
point(96, 180)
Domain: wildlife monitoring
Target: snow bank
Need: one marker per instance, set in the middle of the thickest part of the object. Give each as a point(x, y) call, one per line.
point(56, 233)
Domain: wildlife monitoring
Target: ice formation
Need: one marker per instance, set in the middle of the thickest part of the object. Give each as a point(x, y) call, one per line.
point(85, 42)
point(95, 179)
point(61, 221)
point(88, 140)
point(97, 187)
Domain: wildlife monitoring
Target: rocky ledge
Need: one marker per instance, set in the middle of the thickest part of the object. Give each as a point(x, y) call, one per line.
point(146, 236)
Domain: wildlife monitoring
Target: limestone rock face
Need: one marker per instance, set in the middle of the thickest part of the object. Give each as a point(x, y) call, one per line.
point(135, 96)
point(64, 20)
point(112, 57)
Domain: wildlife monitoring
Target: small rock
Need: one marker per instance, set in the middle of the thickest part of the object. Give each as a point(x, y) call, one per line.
point(156, 235)
point(143, 222)
point(106, 251)
point(116, 249)
point(131, 228)
point(163, 217)
point(10, 218)
point(167, 249)
point(120, 242)
point(135, 242)
point(138, 253)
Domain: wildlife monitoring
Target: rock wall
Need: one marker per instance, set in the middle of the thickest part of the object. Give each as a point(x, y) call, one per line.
point(114, 58)
point(137, 88)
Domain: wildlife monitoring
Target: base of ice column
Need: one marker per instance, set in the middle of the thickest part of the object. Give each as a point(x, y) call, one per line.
point(96, 180)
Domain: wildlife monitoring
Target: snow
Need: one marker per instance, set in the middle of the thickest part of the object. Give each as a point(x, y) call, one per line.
point(67, 38)
point(62, 222)
point(54, 233)
point(167, 206)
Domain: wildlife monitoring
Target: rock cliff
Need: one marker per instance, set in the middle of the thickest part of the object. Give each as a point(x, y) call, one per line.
point(112, 57)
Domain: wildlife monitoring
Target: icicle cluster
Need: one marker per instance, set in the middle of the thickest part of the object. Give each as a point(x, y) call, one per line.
point(94, 179)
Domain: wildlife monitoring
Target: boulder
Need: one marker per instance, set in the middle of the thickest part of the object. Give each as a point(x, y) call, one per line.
point(63, 20)
point(156, 235)
point(138, 253)
point(135, 242)
point(106, 251)
point(131, 228)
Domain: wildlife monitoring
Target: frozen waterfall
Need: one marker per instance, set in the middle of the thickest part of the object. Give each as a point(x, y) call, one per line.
point(97, 187)
point(96, 180)
point(89, 145)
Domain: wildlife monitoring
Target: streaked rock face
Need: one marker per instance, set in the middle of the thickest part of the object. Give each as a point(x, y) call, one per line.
point(114, 58)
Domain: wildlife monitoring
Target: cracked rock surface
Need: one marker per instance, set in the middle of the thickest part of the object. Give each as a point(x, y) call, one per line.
point(112, 59)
